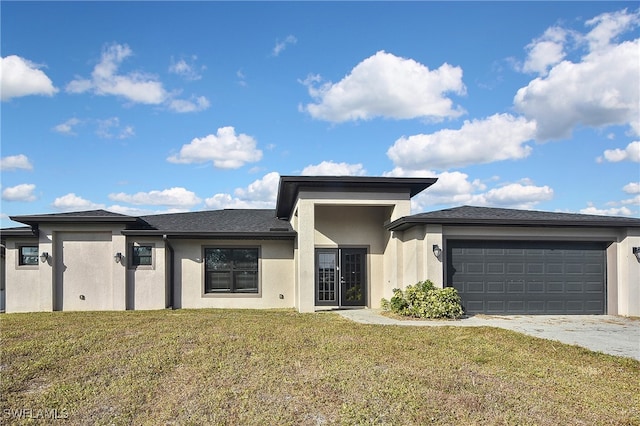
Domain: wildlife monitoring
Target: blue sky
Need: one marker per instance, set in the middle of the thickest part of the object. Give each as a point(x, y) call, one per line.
point(144, 107)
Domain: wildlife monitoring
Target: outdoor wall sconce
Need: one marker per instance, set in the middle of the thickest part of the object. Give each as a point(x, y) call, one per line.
point(437, 251)
point(636, 253)
point(118, 257)
point(44, 257)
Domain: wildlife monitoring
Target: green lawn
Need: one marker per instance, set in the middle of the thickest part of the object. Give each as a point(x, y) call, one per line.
point(280, 367)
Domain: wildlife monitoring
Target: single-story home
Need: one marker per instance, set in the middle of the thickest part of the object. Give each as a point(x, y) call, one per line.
point(331, 242)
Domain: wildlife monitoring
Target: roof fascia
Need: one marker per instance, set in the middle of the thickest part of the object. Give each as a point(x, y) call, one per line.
point(404, 223)
point(269, 235)
point(38, 219)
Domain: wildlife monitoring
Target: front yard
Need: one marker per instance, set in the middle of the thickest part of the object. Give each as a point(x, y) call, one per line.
point(280, 367)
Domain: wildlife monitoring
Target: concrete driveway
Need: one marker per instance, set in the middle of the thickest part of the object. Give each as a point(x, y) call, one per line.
point(612, 335)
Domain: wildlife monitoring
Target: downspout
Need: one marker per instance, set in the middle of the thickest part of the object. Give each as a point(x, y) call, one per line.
point(165, 238)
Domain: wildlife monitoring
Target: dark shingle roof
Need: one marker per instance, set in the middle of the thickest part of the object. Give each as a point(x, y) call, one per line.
point(89, 216)
point(246, 223)
point(469, 215)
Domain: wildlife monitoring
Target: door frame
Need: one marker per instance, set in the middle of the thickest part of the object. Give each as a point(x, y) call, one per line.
point(339, 299)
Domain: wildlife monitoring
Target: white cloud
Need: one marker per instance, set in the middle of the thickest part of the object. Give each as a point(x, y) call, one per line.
point(630, 153)
point(242, 78)
point(195, 104)
point(546, 51)
point(225, 149)
point(173, 197)
point(515, 195)
point(137, 87)
point(607, 26)
point(632, 188)
point(187, 70)
point(67, 128)
point(330, 168)
point(455, 188)
point(601, 89)
point(635, 201)
point(385, 85)
point(261, 193)
point(110, 128)
point(452, 188)
point(497, 138)
point(135, 211)
point(281, 45)
point(73, 202)
point(612, 211)
point(21, 77)
point(22, 192)
point(264, 189)
point(15, 162)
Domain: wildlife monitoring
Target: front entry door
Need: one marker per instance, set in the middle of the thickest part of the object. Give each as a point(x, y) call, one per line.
point(340, 277)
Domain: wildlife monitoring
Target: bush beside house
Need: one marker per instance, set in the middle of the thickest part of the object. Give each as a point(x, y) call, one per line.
point(424, 300)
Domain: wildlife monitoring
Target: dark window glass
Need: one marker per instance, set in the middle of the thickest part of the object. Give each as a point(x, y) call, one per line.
point(141, 256)
point(28, 255)
point(231, 270)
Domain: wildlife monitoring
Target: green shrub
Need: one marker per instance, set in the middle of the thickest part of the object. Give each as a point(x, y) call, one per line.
point(424, 300)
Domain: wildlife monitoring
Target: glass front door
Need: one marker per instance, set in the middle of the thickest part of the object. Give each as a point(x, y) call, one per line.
point(340, 277)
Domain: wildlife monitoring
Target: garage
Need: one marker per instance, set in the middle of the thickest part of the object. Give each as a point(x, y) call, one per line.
point(528, 277)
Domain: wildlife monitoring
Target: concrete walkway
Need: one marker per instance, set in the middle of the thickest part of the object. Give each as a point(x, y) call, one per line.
point(612, 335)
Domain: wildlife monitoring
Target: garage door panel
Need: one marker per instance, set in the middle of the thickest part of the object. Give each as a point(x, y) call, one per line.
point(555, 287)
point(535, 268)
point(535, 287)
point(529, 277)
point(554, 268)
point(495, 287)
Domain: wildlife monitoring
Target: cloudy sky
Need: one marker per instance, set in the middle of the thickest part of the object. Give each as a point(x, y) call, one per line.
point(142, 107)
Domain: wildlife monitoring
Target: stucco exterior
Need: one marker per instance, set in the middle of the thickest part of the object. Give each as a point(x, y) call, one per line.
point(622, 268)
point(90, 266)
point(346, 219)
point(276, 288)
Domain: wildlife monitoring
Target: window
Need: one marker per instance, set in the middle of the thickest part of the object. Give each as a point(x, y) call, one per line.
point(231, 270)
point(28, 255)
point(141, 255)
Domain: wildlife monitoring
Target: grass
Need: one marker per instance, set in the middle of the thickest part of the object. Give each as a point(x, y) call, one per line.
point(280, 367)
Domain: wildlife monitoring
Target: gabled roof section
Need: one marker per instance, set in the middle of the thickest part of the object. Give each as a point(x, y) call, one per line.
point(18, 232)
point(243, 224)
point(290, 186)
point(469, 215)
point(89, 216)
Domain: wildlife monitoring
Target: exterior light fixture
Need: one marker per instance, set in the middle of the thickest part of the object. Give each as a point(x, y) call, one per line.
point(437, 251)
point(636, 253)
point(118, 257)
point(44, 257)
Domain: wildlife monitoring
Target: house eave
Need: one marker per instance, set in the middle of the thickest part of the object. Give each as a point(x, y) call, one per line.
point(207, 235)
point(403, 224)
point(38, 219)
point(22, 232)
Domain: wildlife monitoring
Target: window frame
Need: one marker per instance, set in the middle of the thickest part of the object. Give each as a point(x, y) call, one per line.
point(231, 292)
point(20, 256)
point(131, 257)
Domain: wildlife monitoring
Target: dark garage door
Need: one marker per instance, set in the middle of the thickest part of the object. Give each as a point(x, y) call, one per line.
point(524, 277)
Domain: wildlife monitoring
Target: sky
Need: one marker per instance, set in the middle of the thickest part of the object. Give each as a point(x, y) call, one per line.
point(155, 107)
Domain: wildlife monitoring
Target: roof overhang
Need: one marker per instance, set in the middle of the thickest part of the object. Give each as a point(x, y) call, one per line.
point(34, 220)
point(21, 232)
point(290, 187)
point(407, 222)
point(196, 235)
